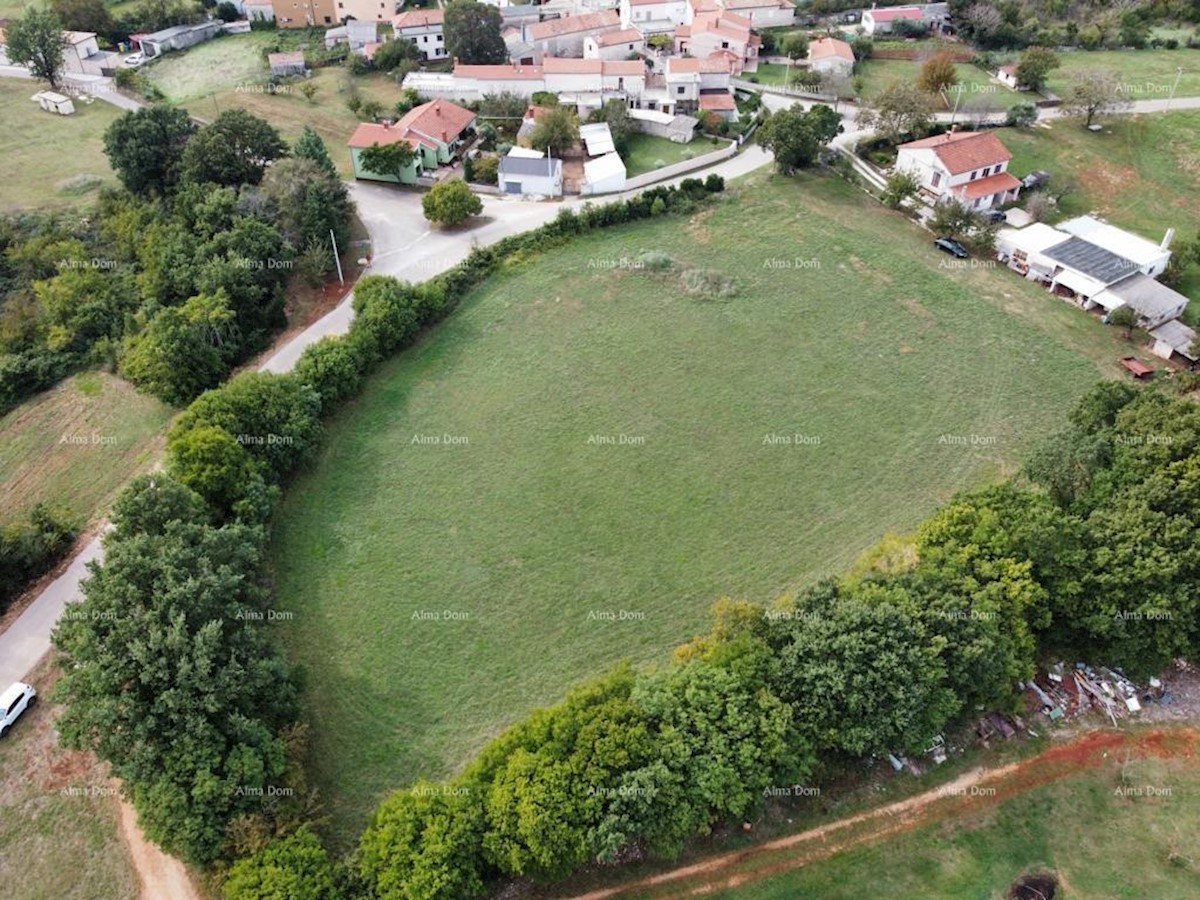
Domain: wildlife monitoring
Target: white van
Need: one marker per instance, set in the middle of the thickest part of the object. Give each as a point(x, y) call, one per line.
point(14, 701)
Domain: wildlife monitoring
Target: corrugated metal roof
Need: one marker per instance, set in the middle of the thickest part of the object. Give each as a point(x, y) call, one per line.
point(1093, 261)
point(520, 165)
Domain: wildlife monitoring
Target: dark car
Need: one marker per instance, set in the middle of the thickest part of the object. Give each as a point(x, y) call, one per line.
point(951, 246)
point(1035, 180)
point(994, 216)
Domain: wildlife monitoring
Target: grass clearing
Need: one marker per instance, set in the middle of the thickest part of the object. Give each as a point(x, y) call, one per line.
point(59, 832)
point(230, 72)
point(647, 151)
point(584, 438)
point(76, 444)
point(1147, 74)
point(977, 89)
point(1128, 829)
point(1140, 172)
point(50, 152)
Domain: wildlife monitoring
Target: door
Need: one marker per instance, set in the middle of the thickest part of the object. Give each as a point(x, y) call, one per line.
point(512, 187)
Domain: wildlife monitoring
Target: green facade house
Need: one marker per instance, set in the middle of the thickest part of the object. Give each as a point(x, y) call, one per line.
point(437, 131)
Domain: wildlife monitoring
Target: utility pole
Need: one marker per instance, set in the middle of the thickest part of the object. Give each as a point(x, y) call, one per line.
point(1178, 74)
point(336, 258)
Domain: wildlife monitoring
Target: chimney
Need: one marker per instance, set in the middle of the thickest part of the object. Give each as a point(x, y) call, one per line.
point(1167, 238)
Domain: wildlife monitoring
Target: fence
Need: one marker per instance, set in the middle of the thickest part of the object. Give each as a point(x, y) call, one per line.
point(680, 168)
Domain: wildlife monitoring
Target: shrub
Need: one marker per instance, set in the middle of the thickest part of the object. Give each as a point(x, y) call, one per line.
point(387, 310)
point(708, 284)
point(487, 169)
point(450, 203)
point(24, 374)
point(296, 867)
point(29, 549)
point(333, 368)
point(714, 183)
point(213, 463)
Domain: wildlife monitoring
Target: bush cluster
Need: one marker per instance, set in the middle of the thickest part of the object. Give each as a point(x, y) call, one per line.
point(28, 549)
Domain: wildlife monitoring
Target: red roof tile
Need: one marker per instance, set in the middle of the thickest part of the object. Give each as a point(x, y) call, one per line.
point(418, 18)
point(830, 48)
point(896, 12)
point(608, 18)
point(985, 187)
point(963, 151)
point(368, 134)
point(717, 101)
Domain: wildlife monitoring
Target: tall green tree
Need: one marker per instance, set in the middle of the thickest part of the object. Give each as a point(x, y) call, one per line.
point(297, 867)
point(1095, 92)
point(450, 203)
point(1034, 66)
point(84, 15)
point(796, 136)
point(234, 149)
point(145, 148)
point(35, 39)
point(472, 32)
point(556, 131)
point(310, 146)
point(899, 110)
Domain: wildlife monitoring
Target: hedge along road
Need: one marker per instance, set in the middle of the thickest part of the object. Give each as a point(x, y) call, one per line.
point(404, 246)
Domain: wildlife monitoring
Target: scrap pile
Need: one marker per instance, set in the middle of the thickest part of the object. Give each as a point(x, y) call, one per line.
point(1065, 692)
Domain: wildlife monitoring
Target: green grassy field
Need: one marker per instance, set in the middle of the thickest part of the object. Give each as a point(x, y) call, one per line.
point(231, 72)
point(1149, 74)
point(1140, 172)
point(976, 88)
point(646, 151)
point(1099, 844)
point(76, 444)
point(49, 150)
point(602, 448)
point(59, 832)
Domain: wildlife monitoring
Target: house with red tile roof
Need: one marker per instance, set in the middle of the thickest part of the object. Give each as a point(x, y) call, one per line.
point(969, 166)
point(614, 44)
point(434, 130)
point(830, 56)
point(762, 13)
point(565, 36)
point(653, 16)
point(424, 28)
point(882, 21)
point(720, 33)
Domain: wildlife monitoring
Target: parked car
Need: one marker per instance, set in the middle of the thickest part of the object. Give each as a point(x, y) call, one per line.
point(951, 246)
point(14, 701)
point(133, 60)
point(994, 215)
point(1035, 179)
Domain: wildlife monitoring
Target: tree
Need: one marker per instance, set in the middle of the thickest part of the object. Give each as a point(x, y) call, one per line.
point(183, 351)
point(145, 148)
point(1094, 92)
point(310, 146)
point(556, 131)
point(389, 159)
point(1124, 317)
point(937, 74)
point(450, 202)
point(234, 150)
point(795, 46)
point(898, 110)
point(308, 203)
point(36, 40)
point(1034, 66)
point(153, 503)
point(472, 33)
point(901, 185)
point(1021, 115)
point(83, 15)
point(215, 465)
point(955, 219)
point(620, 124)
point(393, 54)
point(796, 137)
point(295, 866)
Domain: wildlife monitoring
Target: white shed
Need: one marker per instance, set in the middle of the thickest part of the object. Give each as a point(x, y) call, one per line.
point(604, 174)
point(598, 138)
point(54, 102)
point(541, 177)
point(1023, 249)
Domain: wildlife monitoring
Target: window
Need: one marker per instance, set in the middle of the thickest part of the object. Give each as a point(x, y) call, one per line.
point(680, 90)
point(327, 21)
point(937, 179)
point(424, 40)
point(973, 174)
point(724, 45)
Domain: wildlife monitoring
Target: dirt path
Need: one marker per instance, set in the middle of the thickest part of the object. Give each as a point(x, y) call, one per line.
point(162, 877)
point(972, 790)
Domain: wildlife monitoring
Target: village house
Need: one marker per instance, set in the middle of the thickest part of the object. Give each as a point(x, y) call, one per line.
point(588, 83)
point(424, 28)
point(614, 44)
point(762, 13)
point(357, 34)
point(523, 175)
point(831, 57)
point(304, 13)
point(969, 166)
point(882, 21)
point(720, 33)
point(653, 16)
point(435, 130)
point(565, 36)
point(82, 55)
point(365, 10)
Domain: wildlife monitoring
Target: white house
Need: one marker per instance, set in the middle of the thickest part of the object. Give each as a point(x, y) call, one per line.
point(424, 28)
point(82, 54)
point(970, 166)
point(587, 83)
point(1024, 249)
point(881, 21)
point(653, 16)
point(522, 175)
point(614, 44)
point(1151, 258)
point(762, 13)
point(603, 175)
point(1007, 75)
point(720, 33)
point(565, 36)
point(831, 57)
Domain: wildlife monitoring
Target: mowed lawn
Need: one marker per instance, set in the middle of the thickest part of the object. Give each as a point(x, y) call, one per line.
point(1098, 842)
point(572, 468)
point(1147, 74)
point(648, 152)
point(231, 72)
point(49, 156)
point(1140, 172)
point(76, 444)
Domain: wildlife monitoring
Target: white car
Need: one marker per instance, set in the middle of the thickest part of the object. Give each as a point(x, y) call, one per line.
point(14, 701)
point(134, 60)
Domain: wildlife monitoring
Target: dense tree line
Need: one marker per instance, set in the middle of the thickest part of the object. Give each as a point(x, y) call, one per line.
point(30, 547)
point(1091, 24)
point(180, 276)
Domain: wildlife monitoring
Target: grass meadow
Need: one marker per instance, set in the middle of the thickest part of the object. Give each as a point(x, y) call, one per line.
point(574, 466)
point(57, 162)
point(76, 445)
point(647, 150)
point(1147, 74)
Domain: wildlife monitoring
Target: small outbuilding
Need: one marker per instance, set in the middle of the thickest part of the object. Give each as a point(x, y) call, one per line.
point(285, 64)
point(1174, 337)
point(597, 138)
point(51, 101)
point(1154, 303)
point(604, 174)
point(520, 175)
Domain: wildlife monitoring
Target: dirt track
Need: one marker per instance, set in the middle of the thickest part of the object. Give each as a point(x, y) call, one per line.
point(948, 800)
